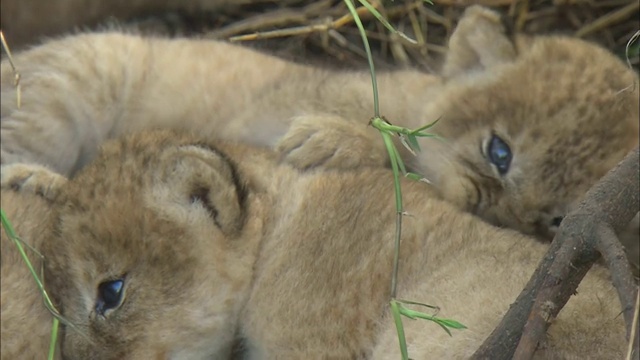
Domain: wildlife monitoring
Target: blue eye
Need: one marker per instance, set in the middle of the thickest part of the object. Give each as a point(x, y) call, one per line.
point(499, 154)
point(109, 295)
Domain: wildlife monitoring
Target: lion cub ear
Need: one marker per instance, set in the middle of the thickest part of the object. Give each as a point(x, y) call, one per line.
point(479, 42)
point(205, 181)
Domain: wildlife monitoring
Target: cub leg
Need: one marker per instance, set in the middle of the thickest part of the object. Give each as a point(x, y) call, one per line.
point(31, 178)
point(330, 141)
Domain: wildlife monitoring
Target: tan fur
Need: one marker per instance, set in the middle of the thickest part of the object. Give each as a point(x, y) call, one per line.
point(31, 178)
point(26, 323)
point(212, 246)
point(567, 109)
point(220, 242)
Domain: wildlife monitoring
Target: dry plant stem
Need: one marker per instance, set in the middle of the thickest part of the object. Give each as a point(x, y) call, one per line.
point(502, 342)
point(608, 207)
point(610, 204)
point(634, 350)
point(621, 275)
point(16, 74)
point(609, 19)
point(300, 30)
point(571, 263)
point(276, 19)
point(488, 3)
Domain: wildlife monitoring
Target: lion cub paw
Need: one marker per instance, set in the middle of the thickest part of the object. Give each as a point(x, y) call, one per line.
point(330, 142)
point(31, 178)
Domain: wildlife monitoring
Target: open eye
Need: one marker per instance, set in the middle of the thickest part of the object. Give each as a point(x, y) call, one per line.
point(109, 295)
point(499, 154)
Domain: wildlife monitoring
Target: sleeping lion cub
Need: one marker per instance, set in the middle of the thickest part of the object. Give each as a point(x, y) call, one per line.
point(530, 123)
point(169, 246)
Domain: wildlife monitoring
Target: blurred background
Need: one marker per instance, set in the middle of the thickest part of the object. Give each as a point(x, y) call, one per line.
point(321, 31)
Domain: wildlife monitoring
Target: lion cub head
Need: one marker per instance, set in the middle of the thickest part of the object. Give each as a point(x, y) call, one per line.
point(530, 123)
point(136, 282)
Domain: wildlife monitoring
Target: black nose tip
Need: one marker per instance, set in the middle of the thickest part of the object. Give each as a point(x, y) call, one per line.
point(556, 221)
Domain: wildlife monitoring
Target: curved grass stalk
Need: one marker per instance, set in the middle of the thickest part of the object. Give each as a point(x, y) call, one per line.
point(409, 139)
point(16, 73)
point(8, 229)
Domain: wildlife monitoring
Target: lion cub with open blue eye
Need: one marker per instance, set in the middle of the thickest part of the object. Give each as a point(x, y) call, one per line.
point(529, 123)
point(169, 246)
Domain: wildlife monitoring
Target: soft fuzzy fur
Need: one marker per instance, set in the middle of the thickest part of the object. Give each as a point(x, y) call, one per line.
point(26, 323)
point(219, 243)
point(567, 109)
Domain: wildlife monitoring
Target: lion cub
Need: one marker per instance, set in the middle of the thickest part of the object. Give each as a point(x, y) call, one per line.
point(529, 123)
point(26, 323)
point(169, 246)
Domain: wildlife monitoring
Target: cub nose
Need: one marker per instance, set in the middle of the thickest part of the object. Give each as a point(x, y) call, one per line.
point(556, 221)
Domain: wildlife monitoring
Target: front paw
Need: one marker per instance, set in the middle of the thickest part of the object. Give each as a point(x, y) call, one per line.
point(31, 178)
point(331, 142)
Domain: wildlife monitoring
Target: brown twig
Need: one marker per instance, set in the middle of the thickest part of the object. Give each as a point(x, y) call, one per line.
point(274, 19)
point(634, 350)
point(584, 234)
point(609, 19)
point(464, 3)
point(16, 73)
point(300, 30)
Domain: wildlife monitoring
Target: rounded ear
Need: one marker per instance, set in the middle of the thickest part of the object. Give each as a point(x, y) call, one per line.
point(199, 175)
point(479, 42)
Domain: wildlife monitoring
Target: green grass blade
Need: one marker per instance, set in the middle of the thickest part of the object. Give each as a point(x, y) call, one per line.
point(445, 324)
point(386, 131)
point(54, 338)
point(384, 21)
point(416, 177)
point(425, 127)
point(365, 41)
point(397, 319)
point(9, 230)
point(395, 160)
